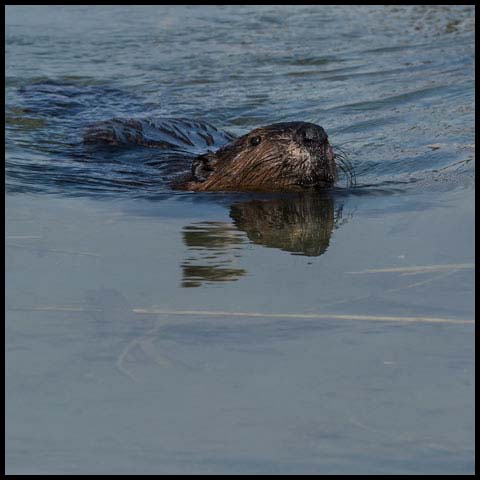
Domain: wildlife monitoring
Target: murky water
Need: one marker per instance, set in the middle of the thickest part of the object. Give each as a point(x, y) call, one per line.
point(156, 331)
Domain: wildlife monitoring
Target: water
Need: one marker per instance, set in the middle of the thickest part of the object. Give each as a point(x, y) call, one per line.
point(144, 327)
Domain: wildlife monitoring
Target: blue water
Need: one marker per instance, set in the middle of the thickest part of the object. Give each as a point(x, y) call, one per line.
point(138, 335)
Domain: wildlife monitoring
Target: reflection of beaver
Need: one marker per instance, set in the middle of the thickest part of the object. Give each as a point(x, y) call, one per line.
point(279, 157)
point(289, 156)
point(213, 253)
point(298, 224)
point(301, 225)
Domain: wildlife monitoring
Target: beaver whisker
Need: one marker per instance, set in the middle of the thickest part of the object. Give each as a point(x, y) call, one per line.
point(340, 159)
point(349, 172)
point(341, 147)
point(346, 174)
point(342, 154)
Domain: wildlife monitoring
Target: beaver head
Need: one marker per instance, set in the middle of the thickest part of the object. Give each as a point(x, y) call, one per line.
point(280, 157)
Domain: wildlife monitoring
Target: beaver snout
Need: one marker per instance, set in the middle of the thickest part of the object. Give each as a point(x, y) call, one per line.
point(311, 134)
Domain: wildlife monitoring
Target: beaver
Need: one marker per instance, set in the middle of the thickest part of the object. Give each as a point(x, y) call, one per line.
point(281, 157)
point(288, 156)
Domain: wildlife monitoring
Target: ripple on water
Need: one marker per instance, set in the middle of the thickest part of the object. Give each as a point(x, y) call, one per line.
point(406, 78)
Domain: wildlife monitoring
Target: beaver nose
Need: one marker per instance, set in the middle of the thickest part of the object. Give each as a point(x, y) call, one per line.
point(312, 133)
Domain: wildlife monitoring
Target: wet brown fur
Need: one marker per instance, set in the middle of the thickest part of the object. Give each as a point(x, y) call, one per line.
point(289, 156)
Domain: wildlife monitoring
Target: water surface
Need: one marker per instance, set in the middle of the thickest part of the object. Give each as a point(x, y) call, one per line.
point(156, 331)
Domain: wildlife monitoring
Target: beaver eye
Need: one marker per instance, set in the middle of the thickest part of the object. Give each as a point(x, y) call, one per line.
point(255, 141)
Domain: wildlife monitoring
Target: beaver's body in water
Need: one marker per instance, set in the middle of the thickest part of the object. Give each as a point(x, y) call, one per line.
point(288, 156)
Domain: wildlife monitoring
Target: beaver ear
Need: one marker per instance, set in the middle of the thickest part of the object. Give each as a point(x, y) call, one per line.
point(203, 166)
